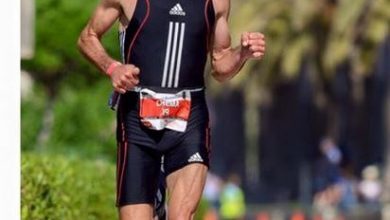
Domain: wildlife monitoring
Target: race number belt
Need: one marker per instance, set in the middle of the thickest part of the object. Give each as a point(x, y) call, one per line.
point(165, 110)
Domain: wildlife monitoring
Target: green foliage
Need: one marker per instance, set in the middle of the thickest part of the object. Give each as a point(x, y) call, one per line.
point(84, 124)
point(31, 117)
point(328, 33)
point(56, 187)
point(82, 120)
point(201, 212)
point(58, 25)
point(342, 33)
point(293, 55)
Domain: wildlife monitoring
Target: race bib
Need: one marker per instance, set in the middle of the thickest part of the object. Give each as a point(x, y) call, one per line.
point(164, 110)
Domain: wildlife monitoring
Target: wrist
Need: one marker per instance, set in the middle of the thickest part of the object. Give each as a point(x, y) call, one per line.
point(244, 56)
point(112, 67)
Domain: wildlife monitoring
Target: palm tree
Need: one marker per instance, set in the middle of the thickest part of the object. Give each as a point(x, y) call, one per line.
point(386, 176)
point(325, 34)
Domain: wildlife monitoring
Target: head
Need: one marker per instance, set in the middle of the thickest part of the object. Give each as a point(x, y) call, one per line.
point(234, 178)
point(326, 144)
point(330, 150)
point(370, 172)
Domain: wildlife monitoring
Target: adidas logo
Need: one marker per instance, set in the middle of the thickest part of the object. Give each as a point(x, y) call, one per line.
point(195, 158)
point(177, 10)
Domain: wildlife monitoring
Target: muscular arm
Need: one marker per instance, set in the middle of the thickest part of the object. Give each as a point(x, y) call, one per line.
point(227, 61)
point(123, 76)
point(106, 13)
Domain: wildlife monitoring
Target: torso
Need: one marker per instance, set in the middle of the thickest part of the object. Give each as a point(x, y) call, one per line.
point(168, 40)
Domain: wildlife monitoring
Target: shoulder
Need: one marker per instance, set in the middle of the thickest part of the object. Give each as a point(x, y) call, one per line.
point(126, 3)
point(123, 5)
point(111, 3)
point(221, 7)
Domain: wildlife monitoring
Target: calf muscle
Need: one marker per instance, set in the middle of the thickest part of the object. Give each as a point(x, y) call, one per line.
point(185, 187)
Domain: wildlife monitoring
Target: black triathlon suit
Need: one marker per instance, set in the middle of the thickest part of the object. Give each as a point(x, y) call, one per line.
point(168, 40)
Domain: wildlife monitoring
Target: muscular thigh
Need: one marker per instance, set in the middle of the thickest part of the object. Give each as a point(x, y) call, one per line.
point(185, 187)
point(136, 211)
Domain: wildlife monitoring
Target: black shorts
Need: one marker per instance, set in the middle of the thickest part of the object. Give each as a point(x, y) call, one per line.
point(140, 150)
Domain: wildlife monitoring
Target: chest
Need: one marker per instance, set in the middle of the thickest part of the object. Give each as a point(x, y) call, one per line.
point(192, 12)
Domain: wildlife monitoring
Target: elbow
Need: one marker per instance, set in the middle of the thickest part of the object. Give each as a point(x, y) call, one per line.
point(220, 77)
point(84, 40)
point(221, 73)
point(81, 42)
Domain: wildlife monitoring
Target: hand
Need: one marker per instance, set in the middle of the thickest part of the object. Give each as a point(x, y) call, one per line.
point(252, 45)
point(124, 77)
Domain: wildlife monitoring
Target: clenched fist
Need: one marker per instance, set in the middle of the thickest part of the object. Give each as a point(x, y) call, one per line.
point(252, 45)
point(124, 77)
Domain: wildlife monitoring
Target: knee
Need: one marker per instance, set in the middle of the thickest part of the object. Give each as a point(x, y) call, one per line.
point(138, 211)
point(181, 213)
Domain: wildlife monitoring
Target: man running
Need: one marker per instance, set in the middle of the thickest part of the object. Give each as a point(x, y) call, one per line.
point(162, 112)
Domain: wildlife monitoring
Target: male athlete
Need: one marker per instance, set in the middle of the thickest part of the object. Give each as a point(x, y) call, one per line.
point(162, 112)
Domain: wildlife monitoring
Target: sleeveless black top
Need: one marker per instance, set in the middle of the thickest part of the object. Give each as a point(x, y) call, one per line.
point(168, 41)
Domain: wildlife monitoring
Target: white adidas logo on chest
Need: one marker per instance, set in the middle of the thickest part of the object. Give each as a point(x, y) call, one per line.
point(177, 10)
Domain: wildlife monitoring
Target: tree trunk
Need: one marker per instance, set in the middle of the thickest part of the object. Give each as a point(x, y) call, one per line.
point(47, 123)
point(252, 134)
point(386, 170)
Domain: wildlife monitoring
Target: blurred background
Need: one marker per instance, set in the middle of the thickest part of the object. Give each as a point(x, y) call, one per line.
point(303, 134)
